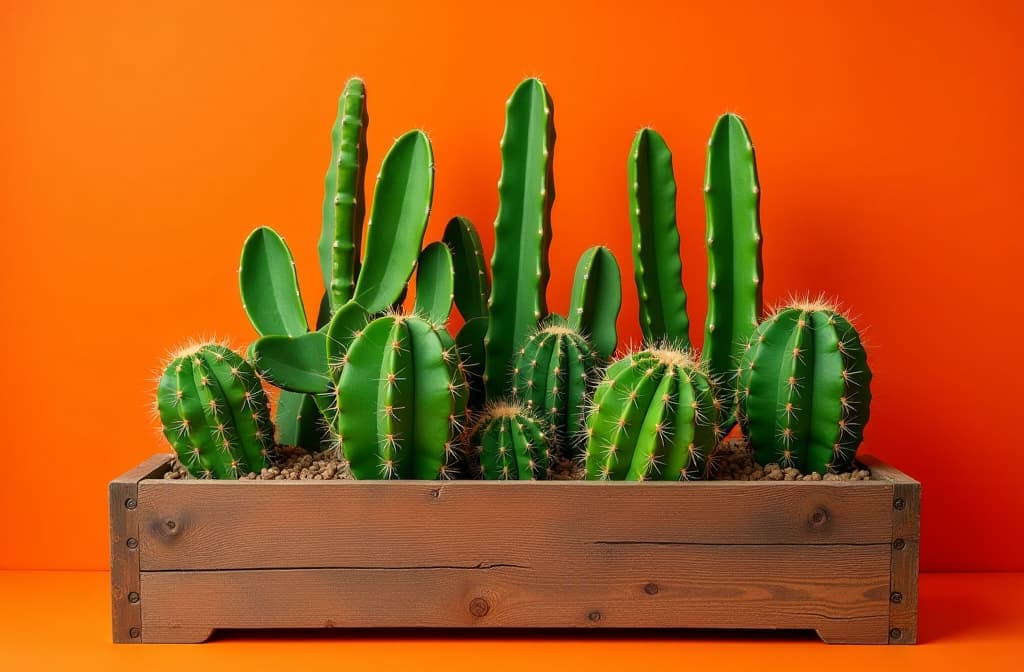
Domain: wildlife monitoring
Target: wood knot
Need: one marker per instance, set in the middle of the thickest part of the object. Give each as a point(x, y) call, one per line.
point(819, 518)
point(478, 606)
point(594, 616)
point(651, 589)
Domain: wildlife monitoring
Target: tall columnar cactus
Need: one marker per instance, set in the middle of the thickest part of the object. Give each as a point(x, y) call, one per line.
point(400, 400)
point(553, 376)
point(472, 291)
point(654, 417)
point(214, 412)
point(656, 262)
point(805, 389)
point(510, 443)
point(596, 299)
point(522, 230)
point(735, 272)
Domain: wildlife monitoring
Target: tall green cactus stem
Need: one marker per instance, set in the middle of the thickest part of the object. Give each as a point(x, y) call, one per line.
point(654, 417)
point(552, 377)
point(732, 197)
point(435, 283)
point(470, 341)
point(398, 220)
point(596, 299)
point(472, 281)
point(400, 400)
point(522, 230)
point(299, 422)
point(510, 443)
point(805, 389)
point(656, 261)
point(344, 207)
point(269, 285)
point(214, 412)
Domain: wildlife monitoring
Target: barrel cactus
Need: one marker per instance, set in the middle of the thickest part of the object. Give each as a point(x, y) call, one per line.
point(654, 416)
point(804, 390)
point(508, 442)
point(214, 412)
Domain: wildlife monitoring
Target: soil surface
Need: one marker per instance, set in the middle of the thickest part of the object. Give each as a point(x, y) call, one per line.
point(733, 461)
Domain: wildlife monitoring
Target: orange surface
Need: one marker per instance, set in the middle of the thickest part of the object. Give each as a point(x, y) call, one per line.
point(60, 621)
point(140, 142)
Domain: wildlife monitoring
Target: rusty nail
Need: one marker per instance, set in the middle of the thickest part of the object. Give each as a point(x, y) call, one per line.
point(130, 503)
point(896, 597)
point(594, 616)
point(651, 588)
point(899, 504)
point(132, 543)
point(899, 544)
point(134, 633)
point(171, 524)
point(478, 606)
point(133, 597)
point(895, 633)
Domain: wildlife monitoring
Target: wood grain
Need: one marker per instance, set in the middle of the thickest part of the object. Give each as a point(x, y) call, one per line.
point(126, 610)
point(841, 590)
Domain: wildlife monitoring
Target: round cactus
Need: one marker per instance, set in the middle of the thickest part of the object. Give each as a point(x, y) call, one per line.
point(511, 443)
point(804, 390)
point(400, 400)
point(214, 412)
point(552, 377)
point(654, 416)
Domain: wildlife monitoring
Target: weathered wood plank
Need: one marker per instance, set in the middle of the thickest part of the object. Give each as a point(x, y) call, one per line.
point(841, 591)
point(126, 615)
point(280, 524)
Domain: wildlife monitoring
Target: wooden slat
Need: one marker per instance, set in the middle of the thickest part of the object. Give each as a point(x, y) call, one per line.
point(253, 525)
point(126, 614)
point(841, 591)
point(906, 545)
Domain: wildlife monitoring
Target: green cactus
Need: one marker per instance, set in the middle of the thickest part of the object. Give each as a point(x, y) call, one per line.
point(735, 272)
point(400, 400)
point(596, 299)
point(299, 422)
point(472, 281)
point(435, 281)
point(509, 443)
point(804, 394)
point(344, 207)
point(656, 262)
point(522, 231)
point(552, 377)
point(654, 416)
point(214, 412)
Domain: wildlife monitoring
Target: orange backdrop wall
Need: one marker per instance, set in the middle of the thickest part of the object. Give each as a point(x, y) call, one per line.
point(139, 144)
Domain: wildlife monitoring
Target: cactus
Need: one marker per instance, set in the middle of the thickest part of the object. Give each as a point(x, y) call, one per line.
point(472, 281)
point(344, 207)
point(735, 273)
point(299, 422)
point(510, 443)
point(214, 412)
point(552, 377)
point(522, 230)
point(654, 416)
point(435, 280)
point(804, 394)
point(400, 400)
point(596, 299)
point(656, 262)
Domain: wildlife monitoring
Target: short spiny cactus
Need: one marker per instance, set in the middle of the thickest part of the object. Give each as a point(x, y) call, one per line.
point(654, 416)
point(508, 442)
point(214, 412)
point(804, 390)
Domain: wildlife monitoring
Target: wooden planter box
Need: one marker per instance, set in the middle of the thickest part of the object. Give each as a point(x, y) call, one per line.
point(189, 557)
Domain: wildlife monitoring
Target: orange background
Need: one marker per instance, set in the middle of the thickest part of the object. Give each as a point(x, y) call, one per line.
point(140, 145)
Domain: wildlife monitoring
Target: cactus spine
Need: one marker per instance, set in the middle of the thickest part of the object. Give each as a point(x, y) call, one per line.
point(654, 417)
point(522, 230)
point(652, 214)
point(805, 389)
point(735, 274)
point(214, 412)
point(511, 444)
point(400, 400)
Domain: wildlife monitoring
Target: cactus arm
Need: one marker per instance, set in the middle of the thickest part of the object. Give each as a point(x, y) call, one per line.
point(519, 265)
point(269, 286)
point(298, 364)
point(735, 272)
point(472, 282)
point(597, 298)
point(398, 220)
point(470, 342)
point(435, 283)
point(652, 214)
point(343, 208)
point(431, 398)
point(299, 421)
